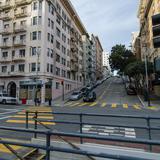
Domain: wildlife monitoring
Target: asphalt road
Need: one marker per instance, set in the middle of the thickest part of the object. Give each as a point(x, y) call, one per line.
point(111, 99)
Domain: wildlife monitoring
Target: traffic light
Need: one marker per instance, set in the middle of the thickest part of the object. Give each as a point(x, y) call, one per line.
point(156, 30)
point(62, 83)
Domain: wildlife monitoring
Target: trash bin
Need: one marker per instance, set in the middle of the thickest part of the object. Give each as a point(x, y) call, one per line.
point(24, 101)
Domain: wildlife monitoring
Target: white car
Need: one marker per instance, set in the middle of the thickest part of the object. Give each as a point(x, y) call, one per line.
point(5, 99)
point(75, 96)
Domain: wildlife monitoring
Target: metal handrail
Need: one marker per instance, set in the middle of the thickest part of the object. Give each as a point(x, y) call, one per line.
point(49, 148)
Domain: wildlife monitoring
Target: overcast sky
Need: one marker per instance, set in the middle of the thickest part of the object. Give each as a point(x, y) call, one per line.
point(112, 20)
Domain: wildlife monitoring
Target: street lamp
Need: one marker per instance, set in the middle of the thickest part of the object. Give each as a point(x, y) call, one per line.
point(37, 51)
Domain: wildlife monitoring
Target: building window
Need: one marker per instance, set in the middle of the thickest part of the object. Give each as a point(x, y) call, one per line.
point(48, 37)
point(34, 22)
point(58, 32)
point(47, 67)
point(33, 67)
point(22, 52)
point(40, 5)
point(57, 85)
point(4, 54)
point(38, 68)
point(39, 20)
point(35, 5)
point(57, 71)
point(51, 68)
point(4, 69)
point(58, 19)
point(39, 35)
point(48, 52)
point(52, 24)
point(21, 67)
point(57, 58)
point(34, 35)
point(49, 22)
point(33, 49)
point(52, 38)
point(51, 53)
point(12, 68)
point(58, 45)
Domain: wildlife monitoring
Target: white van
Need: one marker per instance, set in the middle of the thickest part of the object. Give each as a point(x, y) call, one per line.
point(6, 99)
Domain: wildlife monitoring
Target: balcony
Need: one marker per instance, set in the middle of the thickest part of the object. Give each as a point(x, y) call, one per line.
point(5, 6)
point(22, 2)
point(19, 43)
point(19, 59)
point(21, 28)
point(5, 17)
point(11, 74)
point(6, 31)
point(5, 60)
point(21, 14)
point(5, 46)
point(74, 58)
point(74, 68)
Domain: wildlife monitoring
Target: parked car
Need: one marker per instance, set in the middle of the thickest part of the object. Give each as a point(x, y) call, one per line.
point(131, 90)
point(6, 99)
point(90, 97)
point(84, 90)
point(75, 95)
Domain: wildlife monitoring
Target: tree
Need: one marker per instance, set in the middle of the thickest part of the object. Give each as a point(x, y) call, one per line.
point(136, 71)
point(120, 57)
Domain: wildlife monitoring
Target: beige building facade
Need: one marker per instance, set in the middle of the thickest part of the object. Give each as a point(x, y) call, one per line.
point(40, 48)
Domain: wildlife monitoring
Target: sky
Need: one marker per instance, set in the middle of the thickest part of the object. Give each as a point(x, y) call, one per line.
point(112, 20)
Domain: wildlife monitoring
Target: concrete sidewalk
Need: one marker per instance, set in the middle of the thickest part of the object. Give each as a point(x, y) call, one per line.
point(154, 101)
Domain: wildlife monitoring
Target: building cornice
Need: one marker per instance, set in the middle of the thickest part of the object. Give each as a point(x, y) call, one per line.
point(72, 12)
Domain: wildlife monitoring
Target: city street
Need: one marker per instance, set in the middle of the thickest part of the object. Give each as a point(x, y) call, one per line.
point(111, 99)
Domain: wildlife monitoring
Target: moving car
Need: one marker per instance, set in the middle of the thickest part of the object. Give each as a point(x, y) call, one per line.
point(6, 99)
point(75, 95)
point(90, 97)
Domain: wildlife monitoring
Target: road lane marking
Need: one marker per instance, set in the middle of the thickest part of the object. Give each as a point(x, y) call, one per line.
point(125, 106)
point(136, 106)
point(5, 117)
point(68, 103)
point(93, 104)
point(6, 150)
point(29, 122)
point(152, 108)
point(82, 104)
point(8, 112)
point(75, 104)
point(114, 105)
point(103, 104)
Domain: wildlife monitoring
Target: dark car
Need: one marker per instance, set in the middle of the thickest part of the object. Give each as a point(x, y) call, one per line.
point(90, 97)
point(131, 90)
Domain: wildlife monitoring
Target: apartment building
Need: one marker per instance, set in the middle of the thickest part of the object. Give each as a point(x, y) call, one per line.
point(40, 48)
point(99, 57)
point(149, 15)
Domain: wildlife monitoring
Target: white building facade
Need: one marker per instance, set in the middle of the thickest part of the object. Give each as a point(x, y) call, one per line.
point(40, 48)
point(106, 65)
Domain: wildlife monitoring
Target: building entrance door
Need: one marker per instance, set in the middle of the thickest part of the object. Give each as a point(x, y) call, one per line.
point(11, 89)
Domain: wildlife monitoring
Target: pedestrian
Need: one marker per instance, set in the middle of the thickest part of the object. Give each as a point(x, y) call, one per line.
point(35, 101)
point(39, 101)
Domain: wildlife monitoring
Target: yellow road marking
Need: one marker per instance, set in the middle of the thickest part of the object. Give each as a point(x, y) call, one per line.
point(82, 104)
point(136, 106)
point(125, 106)
point(68, 103)
point(114, 105)
point(93, 104)
point(39, 113)
point(5, 150)
point(30, 122)
point(104, 104)
point(75, 104)
point(23, 116)
point(152, 108)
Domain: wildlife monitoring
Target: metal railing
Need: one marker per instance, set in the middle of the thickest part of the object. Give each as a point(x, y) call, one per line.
point(48, 133)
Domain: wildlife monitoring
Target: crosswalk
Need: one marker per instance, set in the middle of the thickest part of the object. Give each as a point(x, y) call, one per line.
point(103, 104)
point(20, 117)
